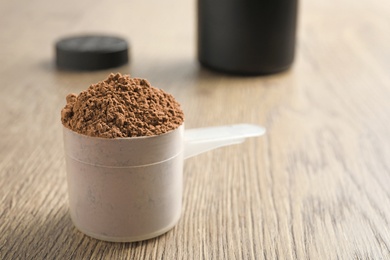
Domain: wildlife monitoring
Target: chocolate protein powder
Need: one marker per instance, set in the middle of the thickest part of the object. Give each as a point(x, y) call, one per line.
point(121, 106)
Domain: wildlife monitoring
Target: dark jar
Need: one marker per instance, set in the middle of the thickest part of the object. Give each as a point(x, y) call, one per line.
point(247, 36)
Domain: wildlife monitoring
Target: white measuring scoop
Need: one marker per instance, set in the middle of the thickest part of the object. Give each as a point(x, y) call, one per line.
point(130, 189)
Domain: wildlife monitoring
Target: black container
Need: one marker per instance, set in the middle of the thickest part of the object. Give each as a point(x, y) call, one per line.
point(247, 36)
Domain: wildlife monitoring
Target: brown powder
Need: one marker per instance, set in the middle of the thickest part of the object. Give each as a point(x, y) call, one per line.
point(121, 106)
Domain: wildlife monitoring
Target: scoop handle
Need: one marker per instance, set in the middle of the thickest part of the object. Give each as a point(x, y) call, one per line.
point(199, 140)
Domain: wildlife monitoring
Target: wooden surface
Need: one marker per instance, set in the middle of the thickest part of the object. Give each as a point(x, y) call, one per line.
point(315, 187)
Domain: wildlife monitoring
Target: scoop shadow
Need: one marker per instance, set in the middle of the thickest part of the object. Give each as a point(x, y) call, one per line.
point(55, 237)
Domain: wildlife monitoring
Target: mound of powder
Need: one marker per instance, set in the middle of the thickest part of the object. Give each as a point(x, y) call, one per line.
point(121, 106)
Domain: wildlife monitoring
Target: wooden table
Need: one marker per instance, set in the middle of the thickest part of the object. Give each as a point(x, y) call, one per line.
point(316, 186)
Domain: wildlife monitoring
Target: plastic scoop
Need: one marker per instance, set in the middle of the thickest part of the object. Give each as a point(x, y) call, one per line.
point(130, 189)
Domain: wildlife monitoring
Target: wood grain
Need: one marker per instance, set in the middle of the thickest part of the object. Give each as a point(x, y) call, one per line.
point(315, 187)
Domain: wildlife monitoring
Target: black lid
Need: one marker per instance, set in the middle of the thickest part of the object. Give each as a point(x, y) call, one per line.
point(91, 52)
